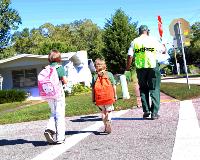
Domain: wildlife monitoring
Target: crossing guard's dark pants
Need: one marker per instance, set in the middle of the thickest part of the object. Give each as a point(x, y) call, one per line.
point(149, 82)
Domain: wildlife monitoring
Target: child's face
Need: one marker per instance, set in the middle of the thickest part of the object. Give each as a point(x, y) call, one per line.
point(99, 67)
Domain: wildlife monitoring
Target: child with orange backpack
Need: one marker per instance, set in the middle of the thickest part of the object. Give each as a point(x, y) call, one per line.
point(104, 92)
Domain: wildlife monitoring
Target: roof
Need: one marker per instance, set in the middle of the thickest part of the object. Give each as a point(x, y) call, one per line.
point(64, 56)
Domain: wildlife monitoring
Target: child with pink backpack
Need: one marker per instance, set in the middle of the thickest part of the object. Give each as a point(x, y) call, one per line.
point(50, 85)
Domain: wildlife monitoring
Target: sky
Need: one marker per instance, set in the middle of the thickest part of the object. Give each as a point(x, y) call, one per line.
point(35, 13)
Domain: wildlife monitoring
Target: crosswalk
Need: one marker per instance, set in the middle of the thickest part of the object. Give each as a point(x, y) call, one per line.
point(186, 146)
point(57, 150)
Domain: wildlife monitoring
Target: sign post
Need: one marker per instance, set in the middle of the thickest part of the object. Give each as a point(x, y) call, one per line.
point(179, 28)
point(185, 65)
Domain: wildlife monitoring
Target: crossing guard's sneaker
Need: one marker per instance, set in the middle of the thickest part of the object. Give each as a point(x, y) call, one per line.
point(49, 136)
point(146, 115)
point(155, 116)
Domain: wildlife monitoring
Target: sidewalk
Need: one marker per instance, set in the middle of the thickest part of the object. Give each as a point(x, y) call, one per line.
point(191, 80)
point(166, 98)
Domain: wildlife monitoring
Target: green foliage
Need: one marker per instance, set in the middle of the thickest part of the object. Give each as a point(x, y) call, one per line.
point(88, 36)
point(80, 35)
point(9, 20)
point(193, 69)
point(79, 88)
point(119, 32)
point(192, 52)
point(167, 69)
point(13, 95)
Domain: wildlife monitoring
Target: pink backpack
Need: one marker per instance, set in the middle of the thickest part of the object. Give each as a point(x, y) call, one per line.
point(49, 85)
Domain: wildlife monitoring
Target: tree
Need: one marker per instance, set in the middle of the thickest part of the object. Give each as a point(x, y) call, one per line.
point(80, 35)
point(88, 36)
point(119, 32)
point(9, 20)
point(43, 39)
point(193, 52)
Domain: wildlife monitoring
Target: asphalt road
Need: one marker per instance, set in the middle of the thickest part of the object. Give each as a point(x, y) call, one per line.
point(132, 137)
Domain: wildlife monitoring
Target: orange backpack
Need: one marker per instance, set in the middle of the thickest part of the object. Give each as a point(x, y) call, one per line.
point(103, 90)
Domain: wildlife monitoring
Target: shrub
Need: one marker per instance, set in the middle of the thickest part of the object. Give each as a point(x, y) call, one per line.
point(193, 69)
point(79, 88)
point(13, 95)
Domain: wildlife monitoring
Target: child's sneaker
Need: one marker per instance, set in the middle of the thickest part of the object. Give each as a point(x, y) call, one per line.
point(108, 127)
point(60, 142)
point(49, 136)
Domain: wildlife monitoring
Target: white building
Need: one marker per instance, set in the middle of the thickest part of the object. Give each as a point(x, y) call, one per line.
point(21, 71)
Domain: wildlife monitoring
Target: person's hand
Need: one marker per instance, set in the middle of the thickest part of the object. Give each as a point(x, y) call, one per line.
point(125, 72)
point(115, 97)
point(94, 102)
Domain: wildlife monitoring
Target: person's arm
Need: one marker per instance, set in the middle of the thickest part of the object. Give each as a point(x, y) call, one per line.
point(115, 92)
point(113, 82)
point(64, 80)
point(130, 57)
point(160, 48)
point(93, 95)
point(129, 61)
point(92, 85)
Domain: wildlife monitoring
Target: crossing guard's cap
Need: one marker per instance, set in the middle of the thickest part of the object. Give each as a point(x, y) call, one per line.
point(143, 28)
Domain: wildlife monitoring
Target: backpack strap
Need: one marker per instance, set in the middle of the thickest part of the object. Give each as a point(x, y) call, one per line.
point(95, 76)
point(57, 66)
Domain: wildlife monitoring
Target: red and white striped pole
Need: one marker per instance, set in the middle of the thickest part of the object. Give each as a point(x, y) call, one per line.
point(160, 29)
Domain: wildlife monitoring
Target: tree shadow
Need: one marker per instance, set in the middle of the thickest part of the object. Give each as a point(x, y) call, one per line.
point(5, 142)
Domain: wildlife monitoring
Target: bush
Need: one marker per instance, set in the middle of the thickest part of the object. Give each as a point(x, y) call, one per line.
point(193, 69)
point(79, 88)
point(13, 95)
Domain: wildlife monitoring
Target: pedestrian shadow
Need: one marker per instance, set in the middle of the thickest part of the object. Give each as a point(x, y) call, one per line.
point(6, 142)
point(129, 119)
point(80, 132)
point(87, 118)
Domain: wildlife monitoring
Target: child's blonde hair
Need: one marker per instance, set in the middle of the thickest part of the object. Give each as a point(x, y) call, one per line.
point(54, 56)
point(101, 62)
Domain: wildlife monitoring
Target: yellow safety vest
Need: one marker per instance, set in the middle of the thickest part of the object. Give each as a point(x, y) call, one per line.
point(144, 52)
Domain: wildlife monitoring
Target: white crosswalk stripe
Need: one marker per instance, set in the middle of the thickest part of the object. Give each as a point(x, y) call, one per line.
point(187, 142)
point(57, 150)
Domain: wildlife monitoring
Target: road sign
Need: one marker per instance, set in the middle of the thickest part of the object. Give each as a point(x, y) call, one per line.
point(175, 28)
point(185, 26)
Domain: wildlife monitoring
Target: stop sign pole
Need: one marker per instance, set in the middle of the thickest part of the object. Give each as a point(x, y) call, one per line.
point(182, 46)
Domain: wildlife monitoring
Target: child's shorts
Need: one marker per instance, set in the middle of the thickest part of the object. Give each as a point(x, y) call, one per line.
point(109, 107)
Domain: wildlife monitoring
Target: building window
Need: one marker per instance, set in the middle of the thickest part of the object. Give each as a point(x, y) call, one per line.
point(24, 78)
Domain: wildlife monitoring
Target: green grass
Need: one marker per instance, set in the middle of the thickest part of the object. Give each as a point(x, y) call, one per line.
point(14, 105)
point(76, 105)
point(7, 106)
point(82, 105)
point(181, 91)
